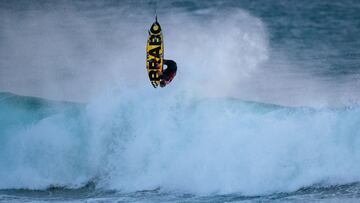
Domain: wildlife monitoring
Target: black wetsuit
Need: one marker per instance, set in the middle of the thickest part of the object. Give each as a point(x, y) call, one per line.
point(169, 73)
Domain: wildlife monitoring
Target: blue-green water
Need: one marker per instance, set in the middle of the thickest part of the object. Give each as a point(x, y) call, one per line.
point(264, 107)
point(342, 193)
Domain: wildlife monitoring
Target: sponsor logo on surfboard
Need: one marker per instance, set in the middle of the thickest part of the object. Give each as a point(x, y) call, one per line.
point(154, 53)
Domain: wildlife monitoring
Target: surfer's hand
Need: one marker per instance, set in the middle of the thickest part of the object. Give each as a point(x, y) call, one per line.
point(162, 83)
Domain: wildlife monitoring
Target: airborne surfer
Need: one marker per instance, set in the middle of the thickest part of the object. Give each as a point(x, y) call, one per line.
point(155, 58)
point(169, 73)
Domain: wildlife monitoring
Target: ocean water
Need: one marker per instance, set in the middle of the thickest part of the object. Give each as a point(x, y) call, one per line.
point(264, 107)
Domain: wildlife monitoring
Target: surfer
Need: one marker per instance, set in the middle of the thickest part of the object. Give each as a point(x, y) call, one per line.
point(155, 58)
point(169, 73)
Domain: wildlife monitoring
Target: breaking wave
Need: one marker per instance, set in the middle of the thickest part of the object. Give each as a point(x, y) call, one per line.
point(131, 141)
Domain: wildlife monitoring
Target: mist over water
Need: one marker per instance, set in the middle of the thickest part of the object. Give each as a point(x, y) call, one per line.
point(77, 50)
point(263, 102)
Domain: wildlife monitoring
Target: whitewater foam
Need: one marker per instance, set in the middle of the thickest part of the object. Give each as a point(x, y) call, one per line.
point(135, 142)
point(224, 146)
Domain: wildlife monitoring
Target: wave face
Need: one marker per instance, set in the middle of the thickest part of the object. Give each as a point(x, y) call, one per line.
point(143, 141)
point(41, 143)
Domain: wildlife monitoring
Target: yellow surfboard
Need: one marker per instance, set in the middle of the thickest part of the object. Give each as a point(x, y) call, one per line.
point(155, 53)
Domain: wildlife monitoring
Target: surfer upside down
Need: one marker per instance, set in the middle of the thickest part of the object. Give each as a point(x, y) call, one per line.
point(169, 73)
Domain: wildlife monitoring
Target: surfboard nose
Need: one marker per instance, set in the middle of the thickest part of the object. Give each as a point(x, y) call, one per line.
point(155, 28)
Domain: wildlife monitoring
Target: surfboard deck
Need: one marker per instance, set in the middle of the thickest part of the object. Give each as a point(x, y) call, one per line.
point(155, 53)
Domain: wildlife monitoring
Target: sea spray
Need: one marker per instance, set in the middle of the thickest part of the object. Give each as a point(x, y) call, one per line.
point(143, 141)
